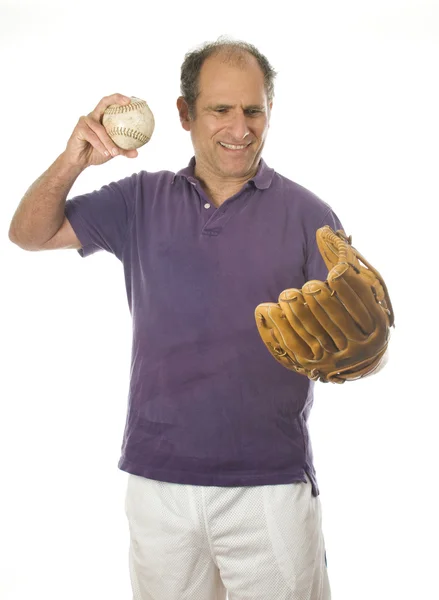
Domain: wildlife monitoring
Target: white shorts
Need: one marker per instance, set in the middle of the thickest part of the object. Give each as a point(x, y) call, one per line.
point(192, 542)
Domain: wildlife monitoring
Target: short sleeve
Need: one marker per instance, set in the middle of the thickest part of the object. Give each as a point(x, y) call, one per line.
point(101, 219)
point(315, 267)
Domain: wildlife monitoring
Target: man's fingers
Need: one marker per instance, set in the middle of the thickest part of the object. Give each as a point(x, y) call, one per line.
point(106, 101)
point(85, 133)
point(106, 141)
point(100, 139)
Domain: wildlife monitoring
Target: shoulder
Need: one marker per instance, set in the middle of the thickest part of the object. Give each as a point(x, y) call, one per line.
point(148, 179)
point(307, 210)
point(144, 187)
point(299, 196)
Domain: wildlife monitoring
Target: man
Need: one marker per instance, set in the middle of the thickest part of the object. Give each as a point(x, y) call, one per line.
point(222, 494)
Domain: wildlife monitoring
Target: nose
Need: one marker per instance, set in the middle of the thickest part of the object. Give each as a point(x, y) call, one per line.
point(238, 126)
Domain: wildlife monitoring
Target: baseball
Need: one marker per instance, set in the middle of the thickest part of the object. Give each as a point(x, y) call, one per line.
point(129, 126)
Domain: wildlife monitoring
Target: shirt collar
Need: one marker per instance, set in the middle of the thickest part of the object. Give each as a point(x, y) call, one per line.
point(262, 179)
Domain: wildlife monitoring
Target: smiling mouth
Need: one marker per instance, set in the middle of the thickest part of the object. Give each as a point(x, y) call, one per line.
point(233, 147)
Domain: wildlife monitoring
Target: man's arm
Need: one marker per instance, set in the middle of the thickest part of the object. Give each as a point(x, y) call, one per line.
point(40, 214)
point(39, 222)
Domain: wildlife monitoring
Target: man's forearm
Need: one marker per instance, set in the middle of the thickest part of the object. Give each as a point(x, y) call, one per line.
point(40, 213)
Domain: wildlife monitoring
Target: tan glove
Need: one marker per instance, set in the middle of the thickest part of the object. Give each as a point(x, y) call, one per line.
point(335, 330)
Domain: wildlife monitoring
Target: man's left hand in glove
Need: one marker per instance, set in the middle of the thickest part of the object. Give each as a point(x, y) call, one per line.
point(337, 330)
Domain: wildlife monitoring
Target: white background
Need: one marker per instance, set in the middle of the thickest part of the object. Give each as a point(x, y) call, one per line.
point(355, 120)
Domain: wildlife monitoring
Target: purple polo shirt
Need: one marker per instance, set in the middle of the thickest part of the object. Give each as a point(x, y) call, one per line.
point(207, 403)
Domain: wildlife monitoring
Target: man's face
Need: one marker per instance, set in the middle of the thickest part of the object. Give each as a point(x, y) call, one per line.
point(230, 109)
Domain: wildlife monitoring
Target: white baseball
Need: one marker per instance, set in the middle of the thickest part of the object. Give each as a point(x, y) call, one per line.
point(130, 126)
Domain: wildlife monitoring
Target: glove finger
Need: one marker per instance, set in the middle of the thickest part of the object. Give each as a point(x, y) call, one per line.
point(378, 287)
point(332, 313)
point(277, 333)
point(305, 324)
point(356, 294)
point(341, 259)
point(329, 246)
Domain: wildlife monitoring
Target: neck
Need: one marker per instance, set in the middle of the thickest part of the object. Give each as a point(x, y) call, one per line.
point(219, 189)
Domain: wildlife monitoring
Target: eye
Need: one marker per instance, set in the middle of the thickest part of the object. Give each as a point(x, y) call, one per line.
point(251, 111)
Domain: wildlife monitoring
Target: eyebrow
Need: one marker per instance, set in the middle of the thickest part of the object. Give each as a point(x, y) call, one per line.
point(249, 107)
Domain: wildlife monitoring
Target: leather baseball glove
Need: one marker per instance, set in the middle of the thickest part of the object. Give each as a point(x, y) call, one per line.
point(336, 330)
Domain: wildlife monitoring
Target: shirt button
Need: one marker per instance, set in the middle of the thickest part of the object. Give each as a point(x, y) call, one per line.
point(207, 205)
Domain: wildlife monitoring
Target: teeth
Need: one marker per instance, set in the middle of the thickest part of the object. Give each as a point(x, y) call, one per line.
point(233, 147)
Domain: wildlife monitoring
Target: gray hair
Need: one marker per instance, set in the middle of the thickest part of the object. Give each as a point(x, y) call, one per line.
point(234, 52)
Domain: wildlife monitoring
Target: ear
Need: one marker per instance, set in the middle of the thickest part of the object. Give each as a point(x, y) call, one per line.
point(183, 111)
